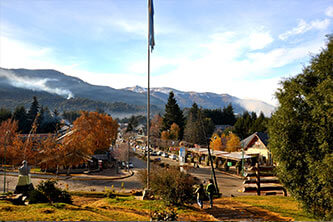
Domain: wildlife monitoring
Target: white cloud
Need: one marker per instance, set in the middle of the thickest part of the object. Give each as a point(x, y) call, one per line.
point(329, 11)
point(259, 40)
point(227, 64)
point(303, 27)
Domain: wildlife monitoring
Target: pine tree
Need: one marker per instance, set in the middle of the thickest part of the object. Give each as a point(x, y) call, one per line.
point(32, 113)
point(173, 114)
point(20, 115)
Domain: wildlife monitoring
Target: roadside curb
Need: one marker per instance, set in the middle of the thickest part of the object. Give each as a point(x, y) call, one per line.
point(79, 178)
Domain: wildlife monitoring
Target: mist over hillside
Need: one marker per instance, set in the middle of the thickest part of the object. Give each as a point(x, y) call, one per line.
point(64, 92)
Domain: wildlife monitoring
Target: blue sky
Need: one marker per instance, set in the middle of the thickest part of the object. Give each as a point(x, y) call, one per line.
point(243, 48)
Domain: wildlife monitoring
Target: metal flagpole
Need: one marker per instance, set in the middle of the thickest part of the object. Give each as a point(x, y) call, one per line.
point(148, 101)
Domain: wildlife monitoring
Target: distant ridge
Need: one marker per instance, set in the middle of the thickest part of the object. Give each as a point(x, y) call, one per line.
point(207, 100)
point(18, 85)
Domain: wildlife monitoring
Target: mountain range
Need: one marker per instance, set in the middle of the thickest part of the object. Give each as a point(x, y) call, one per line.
point(63, 92)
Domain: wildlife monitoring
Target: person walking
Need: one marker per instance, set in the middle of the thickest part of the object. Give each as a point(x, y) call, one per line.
point(210, 192)
point(200, 192)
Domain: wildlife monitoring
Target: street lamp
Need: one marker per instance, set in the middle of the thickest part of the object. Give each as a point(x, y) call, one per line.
point(5, 151)
point(242, 159)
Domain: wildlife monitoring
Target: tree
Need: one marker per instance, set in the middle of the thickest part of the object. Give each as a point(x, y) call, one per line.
point(156, 126)
point(8, 140)
point(192, 129)
point(5, 114)
point(301, 134)
point(248, 124)
point(21, 116)
point(233, 143)
point(174, 131)
point(173, 114)
point(216, 142)
point(34, 109)
point(198, 127)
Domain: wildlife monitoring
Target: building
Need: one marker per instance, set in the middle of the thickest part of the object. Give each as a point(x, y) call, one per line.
point(256, 145)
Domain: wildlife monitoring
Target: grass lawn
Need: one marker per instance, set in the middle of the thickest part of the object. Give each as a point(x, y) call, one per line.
point(120, 208)
point(285, 206)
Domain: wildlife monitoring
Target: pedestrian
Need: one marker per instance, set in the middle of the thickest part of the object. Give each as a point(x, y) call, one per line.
point(200, 192)
point(210, 192)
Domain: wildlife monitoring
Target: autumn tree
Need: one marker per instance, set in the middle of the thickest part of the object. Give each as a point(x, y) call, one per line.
point(216, 142)
point(156, 126)
point(8, 141)
point(233, 143)
point(92, 132)
point(174, 131)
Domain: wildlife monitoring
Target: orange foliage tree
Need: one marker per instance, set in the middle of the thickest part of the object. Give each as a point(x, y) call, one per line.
point(9, 141)
point(233, 143)
point(216, 142)
point(165, 135)
point(92, 132)
point(174, 131)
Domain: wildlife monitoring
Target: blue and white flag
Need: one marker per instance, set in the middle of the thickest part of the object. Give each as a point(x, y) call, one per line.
point(151, 24)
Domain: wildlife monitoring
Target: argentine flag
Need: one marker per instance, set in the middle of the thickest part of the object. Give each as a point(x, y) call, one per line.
point(151, 24)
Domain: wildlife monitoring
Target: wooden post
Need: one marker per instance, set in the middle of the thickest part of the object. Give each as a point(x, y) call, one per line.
point(258, 178)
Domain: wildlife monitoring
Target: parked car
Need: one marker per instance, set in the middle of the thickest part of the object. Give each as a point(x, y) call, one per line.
point(166, 155)
point(159, 153)
point(173, 157)
point(130, 165)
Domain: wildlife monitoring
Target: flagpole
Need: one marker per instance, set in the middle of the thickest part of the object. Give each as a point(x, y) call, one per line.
point(148, 103)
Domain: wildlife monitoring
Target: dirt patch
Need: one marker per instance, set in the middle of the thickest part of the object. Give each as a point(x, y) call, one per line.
point(80, 201)
point(227, 209)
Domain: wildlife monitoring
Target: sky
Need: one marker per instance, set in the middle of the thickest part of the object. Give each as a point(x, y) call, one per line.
point(242, 48)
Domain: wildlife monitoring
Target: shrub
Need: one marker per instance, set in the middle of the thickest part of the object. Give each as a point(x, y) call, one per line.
point(35, 196)
point(47, 192)
point(170, 185)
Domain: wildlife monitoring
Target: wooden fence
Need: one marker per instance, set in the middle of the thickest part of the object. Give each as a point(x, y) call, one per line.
point(264, 181)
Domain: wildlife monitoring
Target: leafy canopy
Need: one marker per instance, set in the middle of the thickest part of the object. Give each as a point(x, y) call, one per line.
point(301, 134)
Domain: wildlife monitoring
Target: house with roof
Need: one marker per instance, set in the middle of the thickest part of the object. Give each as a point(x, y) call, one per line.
point(256, 145)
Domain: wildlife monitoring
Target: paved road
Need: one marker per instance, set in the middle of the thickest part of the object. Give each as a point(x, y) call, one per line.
point(228, 185)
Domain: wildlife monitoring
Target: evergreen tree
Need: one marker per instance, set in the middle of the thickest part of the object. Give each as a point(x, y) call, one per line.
point(301, 135)
point(5, 114)
point(229, 115)
point(33, 111)
point(192, 130)
point(173, 114)
point(21, 116)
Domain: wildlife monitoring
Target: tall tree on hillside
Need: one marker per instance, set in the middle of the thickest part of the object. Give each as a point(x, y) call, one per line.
point(173, 114)
point(33, 111)
point(20, 114)
point(5, 114)
point(192, 130)
point(301, 134)
point(229, 115)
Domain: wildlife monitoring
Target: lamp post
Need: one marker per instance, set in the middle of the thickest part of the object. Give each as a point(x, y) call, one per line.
point(242, 159)
point(5, 151)
point(212, 168)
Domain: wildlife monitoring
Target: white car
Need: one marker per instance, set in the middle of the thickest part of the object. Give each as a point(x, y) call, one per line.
point(173, 157)
point(166, 155)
